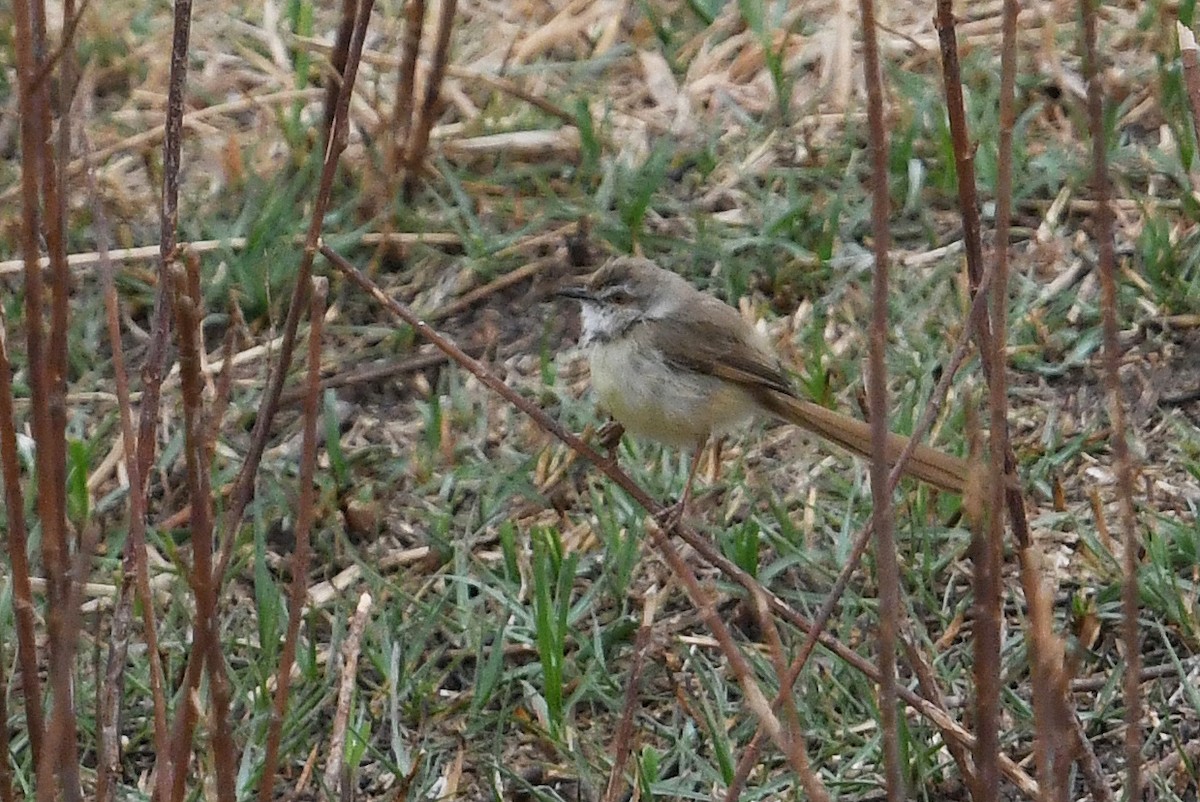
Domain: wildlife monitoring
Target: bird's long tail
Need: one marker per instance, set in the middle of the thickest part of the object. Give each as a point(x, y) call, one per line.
point(929, 464)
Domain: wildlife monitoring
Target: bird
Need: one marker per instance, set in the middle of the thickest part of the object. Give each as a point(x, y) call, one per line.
point(679, 366)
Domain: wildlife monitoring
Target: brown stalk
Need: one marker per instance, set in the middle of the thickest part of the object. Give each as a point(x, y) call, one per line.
point(701, 544)
point(924, 423)
point(419, 142)
point(798, 756)
point(160, 328)
point(170, 765)
point(37, 160)
point(1052, 711)
point(204, 584)
point(987, 534)
point(621, 742)
point(406, 74)
point(1116, 408)
point(705, 606)
point(988, 552)
point(243, 489)
point(135, 572)
point(337, 59)
point(881, 496)
point(6, 775)
point(304, 520)
point(933, 692)
point(244, 486)
point(17, 543)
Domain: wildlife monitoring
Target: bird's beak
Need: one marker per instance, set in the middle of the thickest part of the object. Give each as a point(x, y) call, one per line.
point(579, 292)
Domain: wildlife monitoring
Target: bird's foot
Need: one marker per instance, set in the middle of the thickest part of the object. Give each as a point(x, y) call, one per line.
point(609, 437)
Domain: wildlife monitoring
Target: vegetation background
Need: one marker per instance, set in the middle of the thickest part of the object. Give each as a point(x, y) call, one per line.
point(523, 634)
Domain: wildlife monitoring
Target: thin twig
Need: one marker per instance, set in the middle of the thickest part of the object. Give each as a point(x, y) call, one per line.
point(987, 533)
point(932, 408)
point(204, 585)
point(135, 572)
point(418, 142)
point(406, 73)
point(307, 506)
point(269, 405)
point(81, 261)
point(621, 746)
point(1130, 634)
point(33, 106)
point(881, 497)
point(170, 765)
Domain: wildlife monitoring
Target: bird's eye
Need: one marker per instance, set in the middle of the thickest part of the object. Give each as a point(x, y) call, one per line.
point(619, 296)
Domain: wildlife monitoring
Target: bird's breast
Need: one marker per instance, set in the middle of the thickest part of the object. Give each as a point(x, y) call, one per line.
point(663, 402)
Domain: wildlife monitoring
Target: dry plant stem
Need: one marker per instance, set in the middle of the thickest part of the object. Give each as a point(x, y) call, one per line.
point(62, 620)
point(337, 734)
point(988, 555)
point(135, 573)
point(17, 543)
point(368, 375)
point(29, 18)
point(6, 785)
point(80, 261)
point(1191, 71)
point(204, 585)
point(406, 73)
point(418, 142)
point(341, 49)
point(1052, 712)
point(171, 764)
point(621, 743)
point(814, 789)
point(160, 330)
point(881, 495)
point(706, 608)
point(1116, 408)
point(987, 534)
point(304, 520)
point(71, 18)
point(933, 692)
point(608, 466)
point(492, 287)
point(244, 487)
point(937, 397)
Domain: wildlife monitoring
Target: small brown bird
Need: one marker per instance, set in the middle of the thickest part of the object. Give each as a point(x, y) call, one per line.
point(677, 365)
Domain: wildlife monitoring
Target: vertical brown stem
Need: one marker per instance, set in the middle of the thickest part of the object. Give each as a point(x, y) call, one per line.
point(337, 59)
point(419, 141)
point(204, 586)
point(414, 22)
point(881, 496)
point(1116, 407)
point(304, 520)
point(987, 535)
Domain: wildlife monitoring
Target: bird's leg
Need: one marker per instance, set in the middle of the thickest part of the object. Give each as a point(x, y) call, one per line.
point(670, 517)
point(609, 437)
